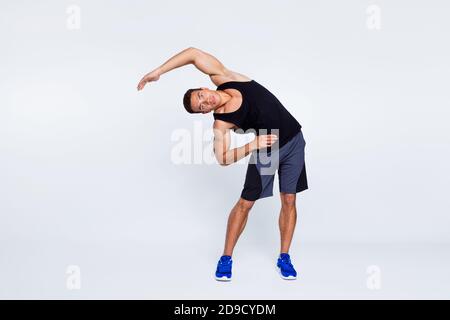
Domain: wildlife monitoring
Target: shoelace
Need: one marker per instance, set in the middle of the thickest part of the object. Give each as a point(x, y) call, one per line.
point(287, 261)
point(224, 266)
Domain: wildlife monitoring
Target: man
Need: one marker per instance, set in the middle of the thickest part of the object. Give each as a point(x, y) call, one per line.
point(240, 103)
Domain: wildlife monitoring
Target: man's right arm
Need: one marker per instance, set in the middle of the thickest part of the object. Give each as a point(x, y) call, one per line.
point(202, 60)
point(187, 56)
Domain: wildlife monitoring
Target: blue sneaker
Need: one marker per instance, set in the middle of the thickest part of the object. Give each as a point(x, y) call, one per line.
point(285, 267)
point(223, 272)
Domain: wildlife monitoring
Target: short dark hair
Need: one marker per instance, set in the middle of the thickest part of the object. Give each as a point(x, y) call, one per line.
point(187, 100)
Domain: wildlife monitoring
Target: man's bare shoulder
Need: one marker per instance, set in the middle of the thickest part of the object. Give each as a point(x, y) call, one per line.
point(222, 126)
point(228, 76)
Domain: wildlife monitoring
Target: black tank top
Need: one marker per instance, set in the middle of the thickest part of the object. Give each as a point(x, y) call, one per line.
point(260, 109)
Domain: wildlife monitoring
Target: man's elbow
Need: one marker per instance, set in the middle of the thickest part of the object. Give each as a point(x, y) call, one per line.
point(194, 51)
point(222, 161)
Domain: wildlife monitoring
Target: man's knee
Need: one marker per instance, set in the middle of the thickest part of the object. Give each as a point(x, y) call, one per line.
point(288, 200)
point(245, 205)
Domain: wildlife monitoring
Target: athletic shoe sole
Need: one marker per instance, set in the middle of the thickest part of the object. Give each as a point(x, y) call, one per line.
point(224, 278)
point(283, 277)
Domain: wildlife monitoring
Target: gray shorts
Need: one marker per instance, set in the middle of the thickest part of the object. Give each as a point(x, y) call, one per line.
point(289, 161)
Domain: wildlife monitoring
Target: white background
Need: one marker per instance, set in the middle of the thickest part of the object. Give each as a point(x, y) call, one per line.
point(87, 179)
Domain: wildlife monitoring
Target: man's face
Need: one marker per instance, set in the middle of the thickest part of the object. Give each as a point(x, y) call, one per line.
point(204, 100)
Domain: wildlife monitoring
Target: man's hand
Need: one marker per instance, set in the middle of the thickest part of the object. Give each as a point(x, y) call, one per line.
point(263, 141)
point(187, 56)
point(151, 76)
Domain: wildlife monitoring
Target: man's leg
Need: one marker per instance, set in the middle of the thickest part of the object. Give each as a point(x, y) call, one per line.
point(287, 220)
point(236, 223)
